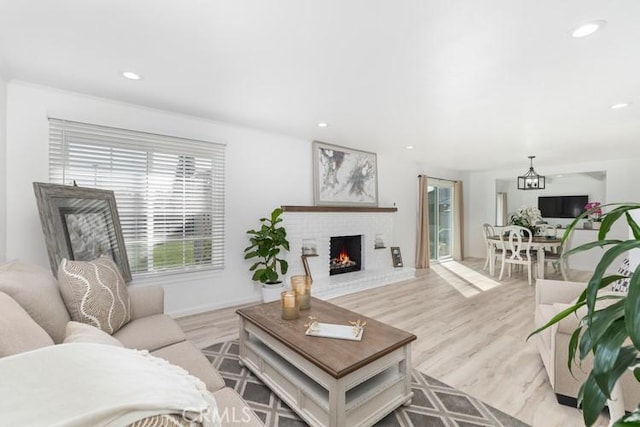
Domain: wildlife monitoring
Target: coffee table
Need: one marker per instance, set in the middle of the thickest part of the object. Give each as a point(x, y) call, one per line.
point(328, 381)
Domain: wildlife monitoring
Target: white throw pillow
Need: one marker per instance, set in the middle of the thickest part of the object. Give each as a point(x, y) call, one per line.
point(81, 332)
point(18, 331)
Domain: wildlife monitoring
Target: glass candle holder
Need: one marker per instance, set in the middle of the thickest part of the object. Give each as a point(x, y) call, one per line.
point(290, 307)
point(309, 247)
point(301, 285)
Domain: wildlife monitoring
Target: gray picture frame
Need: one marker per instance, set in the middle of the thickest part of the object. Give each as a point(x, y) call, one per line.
point(344, 176)
point(80, 224)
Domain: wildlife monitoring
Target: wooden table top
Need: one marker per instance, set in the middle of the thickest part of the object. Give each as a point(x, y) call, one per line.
point(335, 356)
point(534, 239)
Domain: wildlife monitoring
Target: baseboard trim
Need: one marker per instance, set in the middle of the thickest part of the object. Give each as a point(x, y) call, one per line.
point(573, 402)
point(211, 307)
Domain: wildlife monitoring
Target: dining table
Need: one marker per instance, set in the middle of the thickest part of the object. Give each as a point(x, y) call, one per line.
point(538, 243)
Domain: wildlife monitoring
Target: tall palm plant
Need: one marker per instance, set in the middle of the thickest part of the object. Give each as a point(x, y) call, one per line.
point(611, 333)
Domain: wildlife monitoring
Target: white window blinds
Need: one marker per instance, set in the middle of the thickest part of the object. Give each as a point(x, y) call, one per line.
point(169, 191)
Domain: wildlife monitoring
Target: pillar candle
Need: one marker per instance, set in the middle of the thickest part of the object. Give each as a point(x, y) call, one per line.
point(302, 287)
point(290, 308)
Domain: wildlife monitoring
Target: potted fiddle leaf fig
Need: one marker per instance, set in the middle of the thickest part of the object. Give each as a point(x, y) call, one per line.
point(610, 329)
point(267, 242)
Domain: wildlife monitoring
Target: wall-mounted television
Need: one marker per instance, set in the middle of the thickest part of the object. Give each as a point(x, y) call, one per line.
point(562, 206)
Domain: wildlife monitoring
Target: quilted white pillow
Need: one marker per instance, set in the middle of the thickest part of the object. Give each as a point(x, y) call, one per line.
point(81, 332)
point(95, 293)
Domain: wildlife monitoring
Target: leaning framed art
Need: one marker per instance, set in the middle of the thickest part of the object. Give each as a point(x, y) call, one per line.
point(344, 176)
point(80, 224)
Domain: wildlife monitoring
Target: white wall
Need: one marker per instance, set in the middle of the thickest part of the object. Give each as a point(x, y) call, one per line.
point(399, 189)
point(621, 186)
point(3, 169)
point(568, 184)
point(263, 170)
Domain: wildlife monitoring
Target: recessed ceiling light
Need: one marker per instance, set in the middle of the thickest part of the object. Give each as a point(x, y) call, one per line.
point(409, 147)
point(131, 75)
point(587, 28)
point(620, 105)
point(322, 125)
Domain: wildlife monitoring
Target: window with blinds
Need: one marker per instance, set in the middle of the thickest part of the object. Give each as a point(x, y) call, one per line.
point(169, 191)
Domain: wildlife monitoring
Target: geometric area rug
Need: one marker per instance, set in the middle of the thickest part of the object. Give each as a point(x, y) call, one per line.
point(433, 404)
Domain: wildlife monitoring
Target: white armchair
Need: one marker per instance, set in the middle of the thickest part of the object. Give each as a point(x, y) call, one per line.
point(553, 296)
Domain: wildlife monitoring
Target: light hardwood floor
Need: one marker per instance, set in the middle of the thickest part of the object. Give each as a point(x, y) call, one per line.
point(475, 343)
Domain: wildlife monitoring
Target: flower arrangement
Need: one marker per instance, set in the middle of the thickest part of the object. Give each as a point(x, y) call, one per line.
point(594, 212)
point(526, 216)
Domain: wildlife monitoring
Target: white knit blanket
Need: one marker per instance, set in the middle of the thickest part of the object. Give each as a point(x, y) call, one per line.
point(85, 384)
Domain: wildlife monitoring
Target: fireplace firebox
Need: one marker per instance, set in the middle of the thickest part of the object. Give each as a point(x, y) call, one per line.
point(346, 254)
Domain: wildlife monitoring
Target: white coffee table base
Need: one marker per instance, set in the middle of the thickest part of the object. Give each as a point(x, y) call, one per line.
point(360, 398)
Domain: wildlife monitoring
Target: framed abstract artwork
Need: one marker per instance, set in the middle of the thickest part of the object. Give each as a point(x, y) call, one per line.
point(80, 224)
point(86, 233)
point(344, 176)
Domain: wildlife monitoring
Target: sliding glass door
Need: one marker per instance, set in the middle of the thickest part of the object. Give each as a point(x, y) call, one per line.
point(440, 195)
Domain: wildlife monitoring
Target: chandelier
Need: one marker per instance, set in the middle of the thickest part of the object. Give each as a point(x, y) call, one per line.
point(531, 180)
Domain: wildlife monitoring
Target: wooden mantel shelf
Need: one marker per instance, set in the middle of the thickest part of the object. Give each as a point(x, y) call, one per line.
point(336, 209)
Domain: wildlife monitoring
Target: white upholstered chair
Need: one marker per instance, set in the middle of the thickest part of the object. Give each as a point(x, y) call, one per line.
point(553, 296)
point(516, 242)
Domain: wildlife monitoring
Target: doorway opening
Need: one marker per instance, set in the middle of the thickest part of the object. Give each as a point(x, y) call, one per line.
point(440, 196)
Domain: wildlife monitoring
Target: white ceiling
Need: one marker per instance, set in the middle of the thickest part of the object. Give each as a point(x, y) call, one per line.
point(472, 85)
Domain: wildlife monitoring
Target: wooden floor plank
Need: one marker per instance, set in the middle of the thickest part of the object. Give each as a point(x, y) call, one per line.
point(476, 343)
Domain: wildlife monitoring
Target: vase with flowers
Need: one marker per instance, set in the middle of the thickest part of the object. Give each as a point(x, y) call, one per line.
point(526, 216)
point(594, 214)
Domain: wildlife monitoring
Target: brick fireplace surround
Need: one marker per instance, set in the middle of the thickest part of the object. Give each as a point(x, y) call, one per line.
point(316, 225)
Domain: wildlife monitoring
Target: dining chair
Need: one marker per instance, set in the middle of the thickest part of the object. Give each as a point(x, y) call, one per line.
point(493, 252)
point(516, 242)
point(551, 255)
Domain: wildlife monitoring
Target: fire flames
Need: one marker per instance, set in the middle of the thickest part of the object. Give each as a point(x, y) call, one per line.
point(342, 260)
point(343, 257)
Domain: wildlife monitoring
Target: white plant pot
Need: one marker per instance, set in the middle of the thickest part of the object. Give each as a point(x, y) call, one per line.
point(272, 292)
